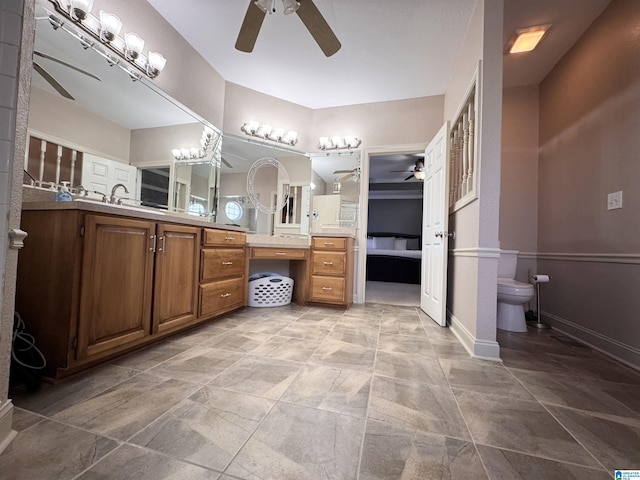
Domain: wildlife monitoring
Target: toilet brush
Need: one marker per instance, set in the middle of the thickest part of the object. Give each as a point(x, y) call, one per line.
point(538, 279)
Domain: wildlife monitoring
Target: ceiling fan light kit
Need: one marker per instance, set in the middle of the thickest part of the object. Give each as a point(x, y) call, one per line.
point(106, 30)
point(305, 9)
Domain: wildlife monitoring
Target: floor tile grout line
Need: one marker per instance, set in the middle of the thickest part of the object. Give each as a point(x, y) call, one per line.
point(367, 410)
point(261, 422)
point(556, 419)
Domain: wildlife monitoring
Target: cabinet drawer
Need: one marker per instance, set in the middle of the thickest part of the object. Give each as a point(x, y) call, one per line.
point(220, 296)
point(328, 263)
point(279, 253)
point(329, 243)
point(223, 237)
point(327, 289)
point(221, 262)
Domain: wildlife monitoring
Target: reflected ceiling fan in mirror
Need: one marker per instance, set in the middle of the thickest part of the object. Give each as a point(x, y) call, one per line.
point(52, 81)
point(354, 174)
point(306, 10)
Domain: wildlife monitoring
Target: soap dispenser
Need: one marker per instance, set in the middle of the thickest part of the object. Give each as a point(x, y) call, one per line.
point(63, 195)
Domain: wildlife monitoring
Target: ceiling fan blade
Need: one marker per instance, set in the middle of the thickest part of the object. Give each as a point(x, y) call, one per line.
point(228, 165)
point(343, 171)
point(52, 81)
point(49, 57)
point(400, 171)
point(250, 28)
point(409, 177)
point(318, 27)
point(346, 177)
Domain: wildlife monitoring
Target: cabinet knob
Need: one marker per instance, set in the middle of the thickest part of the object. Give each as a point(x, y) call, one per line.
point(229, 238)
point(328, 244)
point(227, 263)
point(327, 288)
point(281, 253)
point(225, 295)
point(328, 263)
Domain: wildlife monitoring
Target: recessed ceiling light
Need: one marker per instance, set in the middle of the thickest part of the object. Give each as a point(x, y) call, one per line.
point(526, 39)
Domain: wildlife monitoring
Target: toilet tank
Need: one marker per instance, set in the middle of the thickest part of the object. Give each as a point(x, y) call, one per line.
point(507, 263)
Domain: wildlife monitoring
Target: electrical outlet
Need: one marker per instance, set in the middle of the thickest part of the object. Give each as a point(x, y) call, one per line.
point(614, 200)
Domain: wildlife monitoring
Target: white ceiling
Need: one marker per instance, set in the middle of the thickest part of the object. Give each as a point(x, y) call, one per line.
point(391, 49)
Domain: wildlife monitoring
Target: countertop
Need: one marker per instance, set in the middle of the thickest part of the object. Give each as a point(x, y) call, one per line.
point(129, 211)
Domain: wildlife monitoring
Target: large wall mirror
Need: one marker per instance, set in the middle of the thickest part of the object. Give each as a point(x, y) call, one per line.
point(113, 130)
point(323, 189)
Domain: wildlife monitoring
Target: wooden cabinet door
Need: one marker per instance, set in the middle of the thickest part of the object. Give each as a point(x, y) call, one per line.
point(116, 284)
point(175, 301)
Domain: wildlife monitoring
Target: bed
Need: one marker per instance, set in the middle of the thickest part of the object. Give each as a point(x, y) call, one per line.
point(393, 257)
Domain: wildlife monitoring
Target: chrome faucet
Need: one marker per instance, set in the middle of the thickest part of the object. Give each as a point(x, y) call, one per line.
point(113, 198)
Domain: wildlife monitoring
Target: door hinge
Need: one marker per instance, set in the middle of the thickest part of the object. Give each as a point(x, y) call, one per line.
point(82, 230)
point(74, 343)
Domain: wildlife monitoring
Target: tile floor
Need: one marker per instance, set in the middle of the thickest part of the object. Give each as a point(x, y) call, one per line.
point(375, 392)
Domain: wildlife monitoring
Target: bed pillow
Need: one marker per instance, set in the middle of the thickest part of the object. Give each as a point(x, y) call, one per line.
point(399, 243)
point(383, 243)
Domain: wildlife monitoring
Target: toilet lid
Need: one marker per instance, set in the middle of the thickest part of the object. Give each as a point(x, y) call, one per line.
point(509, 285)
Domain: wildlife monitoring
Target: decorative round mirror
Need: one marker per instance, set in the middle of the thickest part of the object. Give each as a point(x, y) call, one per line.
point(262, 175)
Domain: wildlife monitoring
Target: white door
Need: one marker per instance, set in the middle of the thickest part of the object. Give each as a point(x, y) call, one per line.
point(101, 174)
point(435, 219)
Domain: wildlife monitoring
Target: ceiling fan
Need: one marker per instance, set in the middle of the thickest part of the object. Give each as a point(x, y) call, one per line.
point(417, 172)
point(52, 81)
point(306, 10)
point(353, 173)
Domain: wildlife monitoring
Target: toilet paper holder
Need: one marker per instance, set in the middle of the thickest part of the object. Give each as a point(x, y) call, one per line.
point(537, 280)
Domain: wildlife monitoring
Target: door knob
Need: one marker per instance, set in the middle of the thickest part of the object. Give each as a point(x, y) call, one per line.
point(445, 233)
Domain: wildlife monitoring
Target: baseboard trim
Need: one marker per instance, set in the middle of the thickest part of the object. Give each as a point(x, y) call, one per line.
point(480, 349)
point(7, 434)
point(613, 348)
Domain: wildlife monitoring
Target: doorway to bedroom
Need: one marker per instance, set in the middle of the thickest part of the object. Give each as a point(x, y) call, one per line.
point(394, 224)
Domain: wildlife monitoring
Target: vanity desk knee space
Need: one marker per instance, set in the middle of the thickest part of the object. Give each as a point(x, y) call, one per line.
point(321, 265)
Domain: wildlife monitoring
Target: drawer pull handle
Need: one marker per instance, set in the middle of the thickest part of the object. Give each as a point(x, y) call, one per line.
point(328, 263)
point(281, 253)
point(229, 238)
point(327, 288)
point(227, 263)
point(225, 295)
point(328, 244)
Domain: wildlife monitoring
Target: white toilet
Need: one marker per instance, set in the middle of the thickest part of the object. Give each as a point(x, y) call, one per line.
point(512, 295)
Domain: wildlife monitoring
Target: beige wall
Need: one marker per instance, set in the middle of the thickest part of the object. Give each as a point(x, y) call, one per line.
point(398, 122)
point(589, 147)
point(152, 146)
point(519, 177)
point(76, 127)
point(242, 104)
point(471, 302)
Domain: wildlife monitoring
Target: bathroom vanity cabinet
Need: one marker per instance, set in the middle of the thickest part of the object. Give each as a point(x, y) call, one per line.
point(223, 272)
point(331, 271)
point(91, 286)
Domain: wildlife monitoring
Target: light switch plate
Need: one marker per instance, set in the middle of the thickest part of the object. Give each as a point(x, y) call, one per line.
point(614, 200)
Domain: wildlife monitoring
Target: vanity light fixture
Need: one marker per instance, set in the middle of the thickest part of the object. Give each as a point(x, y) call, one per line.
point(265, 131)
point(338, 143)
point(208, 142)
point(110, 26)
point(106, 30)
point(526, 39)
